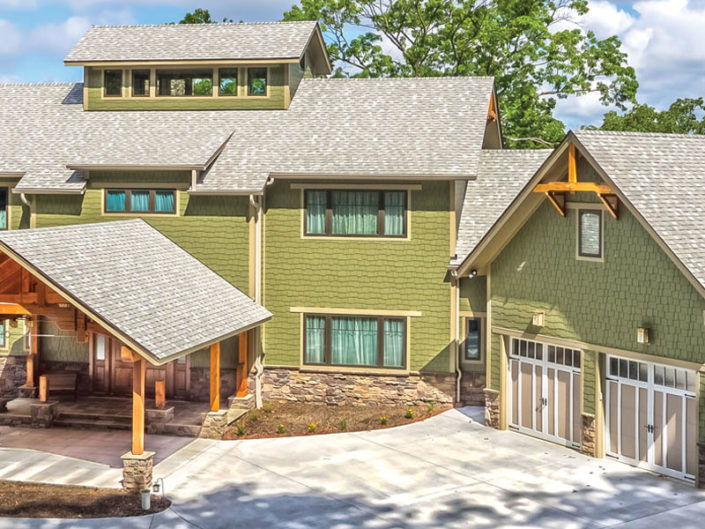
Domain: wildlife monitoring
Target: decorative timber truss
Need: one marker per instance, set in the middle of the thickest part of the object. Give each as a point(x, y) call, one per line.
point(556, 191)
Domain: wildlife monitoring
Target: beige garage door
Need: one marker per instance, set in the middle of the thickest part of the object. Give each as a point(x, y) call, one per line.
point(651, 416)
point(544, 391)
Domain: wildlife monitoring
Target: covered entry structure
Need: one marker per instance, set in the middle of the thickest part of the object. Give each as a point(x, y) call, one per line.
point(126, 287)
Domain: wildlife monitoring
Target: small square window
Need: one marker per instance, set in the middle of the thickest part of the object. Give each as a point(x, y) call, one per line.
point(590, 233)
point(257, 81)
point(140, 83)
point(227, 82)
point(112, 83)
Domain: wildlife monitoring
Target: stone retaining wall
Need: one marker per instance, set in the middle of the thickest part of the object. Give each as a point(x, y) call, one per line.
point(13, 374)
point(588, 445)
point(294, 385)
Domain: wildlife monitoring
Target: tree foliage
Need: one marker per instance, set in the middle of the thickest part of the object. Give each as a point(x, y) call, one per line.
point(684, 116)
point(200, 16)
point(532, 48)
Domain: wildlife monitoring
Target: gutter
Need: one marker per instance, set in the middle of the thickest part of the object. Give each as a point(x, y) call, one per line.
point(459, 373)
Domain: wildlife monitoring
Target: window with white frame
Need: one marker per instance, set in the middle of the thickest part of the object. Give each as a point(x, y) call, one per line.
point(590, 233)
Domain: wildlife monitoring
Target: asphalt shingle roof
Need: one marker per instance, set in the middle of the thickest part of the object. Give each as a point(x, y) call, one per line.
point(501, 175)
point(663, 176)
point(139, 282)
point(425, 127)
point(184, 42)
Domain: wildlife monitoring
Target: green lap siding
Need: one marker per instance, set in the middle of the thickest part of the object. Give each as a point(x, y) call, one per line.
point(473, 294)
point(319, 272)
point(212, 229)
point(590, 382)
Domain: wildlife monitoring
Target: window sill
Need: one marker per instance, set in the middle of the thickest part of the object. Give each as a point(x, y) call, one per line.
point(400, 372)
point(354, 238)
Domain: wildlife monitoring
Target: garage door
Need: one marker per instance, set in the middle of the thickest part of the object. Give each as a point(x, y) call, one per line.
point(651, 416)
point(544, 391)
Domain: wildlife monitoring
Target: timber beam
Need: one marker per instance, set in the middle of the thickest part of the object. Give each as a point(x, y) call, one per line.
point(611, 202)
point(573, 187)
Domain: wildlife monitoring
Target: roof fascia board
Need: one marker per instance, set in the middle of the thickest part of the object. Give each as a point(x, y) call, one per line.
point(216, 192)
point(369, 176)
point(184, 62)
point(137, 167)
point(467, 262)
point(634, 211)
point(48, 191)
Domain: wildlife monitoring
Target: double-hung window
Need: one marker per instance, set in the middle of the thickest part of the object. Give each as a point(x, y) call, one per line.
point(355, 213)
point(590, 233)
point(354, 341)
point(140, 201)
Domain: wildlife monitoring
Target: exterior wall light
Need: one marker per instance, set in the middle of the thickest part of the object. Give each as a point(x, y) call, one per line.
point(539, 319)
point(642, 335)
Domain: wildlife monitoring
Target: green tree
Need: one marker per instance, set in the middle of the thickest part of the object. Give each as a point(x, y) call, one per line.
point(200, 16)
point(531, 47)
point(684, 116)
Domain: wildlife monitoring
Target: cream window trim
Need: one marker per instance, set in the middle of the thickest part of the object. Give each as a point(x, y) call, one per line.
point(472, 314)
point(594, 207)
point(371, 187)
point(463, 334)
point(575, 344)
point(357, 312)
point(381, 238)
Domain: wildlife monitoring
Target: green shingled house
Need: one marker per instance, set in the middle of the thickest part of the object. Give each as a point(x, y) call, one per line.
point(390, 248)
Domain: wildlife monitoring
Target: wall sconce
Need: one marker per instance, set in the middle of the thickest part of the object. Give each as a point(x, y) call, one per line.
point(642, 335)
point(539, 319)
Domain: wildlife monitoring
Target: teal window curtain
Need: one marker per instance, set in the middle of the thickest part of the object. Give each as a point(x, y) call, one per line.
point(354, 341)
point(139, 201)
point(164, 201)
point(393, 343)
point(315, 339)
point(355, 212)
point(3, 208)
point(394, 212)
point(3, 338)
point(316, 211)
point(115, 201)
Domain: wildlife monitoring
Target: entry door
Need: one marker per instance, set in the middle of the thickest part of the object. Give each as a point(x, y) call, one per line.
point(651, 416)
point(101, 363)
point(544, 391)
point(121, 372)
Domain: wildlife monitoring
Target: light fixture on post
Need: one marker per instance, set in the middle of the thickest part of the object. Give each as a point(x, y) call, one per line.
point(539, 318)
point(642, 335)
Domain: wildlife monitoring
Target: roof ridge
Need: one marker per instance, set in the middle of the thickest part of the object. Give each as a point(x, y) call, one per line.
point(637, 133)
point(174, 24)
point(438, 77)
point(44, 83)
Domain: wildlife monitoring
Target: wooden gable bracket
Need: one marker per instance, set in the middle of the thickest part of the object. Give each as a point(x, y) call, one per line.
point(553, 190)
point(611, 202)
point(491, 113)
point(558, 200)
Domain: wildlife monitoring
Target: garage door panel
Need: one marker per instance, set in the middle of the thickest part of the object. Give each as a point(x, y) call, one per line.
point(674, 432)
point(551, 373)
point(515, 391)
point(538, 392)
point(613, 415)
point(658, 428)
point(577, 421)
point(627, 425)
point(563, 403)
point(643, 424)
point(526, 392)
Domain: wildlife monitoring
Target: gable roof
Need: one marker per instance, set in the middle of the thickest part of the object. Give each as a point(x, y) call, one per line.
point(193, 42)
point(662, 176)
point(389, 127)
point(385, 128)
point(501, 175)
point(138, 284)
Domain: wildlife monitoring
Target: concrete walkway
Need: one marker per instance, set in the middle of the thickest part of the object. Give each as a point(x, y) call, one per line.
point(444, 472)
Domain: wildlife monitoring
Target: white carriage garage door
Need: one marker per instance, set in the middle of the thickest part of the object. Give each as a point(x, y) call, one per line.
point(651, 416)
point(544, 391)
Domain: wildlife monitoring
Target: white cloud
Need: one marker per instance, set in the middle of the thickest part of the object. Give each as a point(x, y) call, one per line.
point(57, 37)
point(19, 4)
point(11, 39)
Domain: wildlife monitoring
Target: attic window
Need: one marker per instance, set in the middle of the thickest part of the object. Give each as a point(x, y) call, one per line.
point(140, 83)
point(112, 83)
point(590, 233)
point(227, 78)
point(185, 83)
point(257, 81)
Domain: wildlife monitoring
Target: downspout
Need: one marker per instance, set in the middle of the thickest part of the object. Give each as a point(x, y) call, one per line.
point(458, 372)
point(259, 368)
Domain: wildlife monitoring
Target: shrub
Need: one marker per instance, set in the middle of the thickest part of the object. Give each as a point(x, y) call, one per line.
point(312, 427)
point(240, 429)
point(267, 407)
point(280, 429)
point(383, 421)
point(254, 416)
point(430, 406)
point(409, 414)
point(343, 424)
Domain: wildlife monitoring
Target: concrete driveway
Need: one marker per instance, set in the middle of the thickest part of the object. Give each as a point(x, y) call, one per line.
point(444, 472)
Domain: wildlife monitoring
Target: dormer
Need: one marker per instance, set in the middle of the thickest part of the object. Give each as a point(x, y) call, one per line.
point(244, 66)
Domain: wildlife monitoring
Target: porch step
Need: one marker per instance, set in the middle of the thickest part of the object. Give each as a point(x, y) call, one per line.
point(90, 423)
point(179, 430)
point(79, 416)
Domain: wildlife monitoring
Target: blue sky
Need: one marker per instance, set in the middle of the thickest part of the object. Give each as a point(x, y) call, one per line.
point(664, 39)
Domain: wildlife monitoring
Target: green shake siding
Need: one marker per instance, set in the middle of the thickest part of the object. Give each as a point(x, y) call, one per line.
point(408, 275)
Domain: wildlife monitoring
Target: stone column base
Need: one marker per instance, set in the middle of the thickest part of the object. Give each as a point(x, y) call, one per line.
point(43, 413)
point(214, 425)
point(137, 471)
point(492, 408)
point(159, 415)
point(27, 392)
point(587, 444)
point(243, 403)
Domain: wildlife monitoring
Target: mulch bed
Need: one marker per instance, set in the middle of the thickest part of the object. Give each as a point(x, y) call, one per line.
point(282, 419)
point(37, 500)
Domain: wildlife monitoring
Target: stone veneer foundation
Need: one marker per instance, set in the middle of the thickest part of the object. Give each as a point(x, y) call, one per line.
point(137, 471)
point(492, 408)
point(358, 389)
point(472, 386)
point(13, 374)
point(587, 444)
